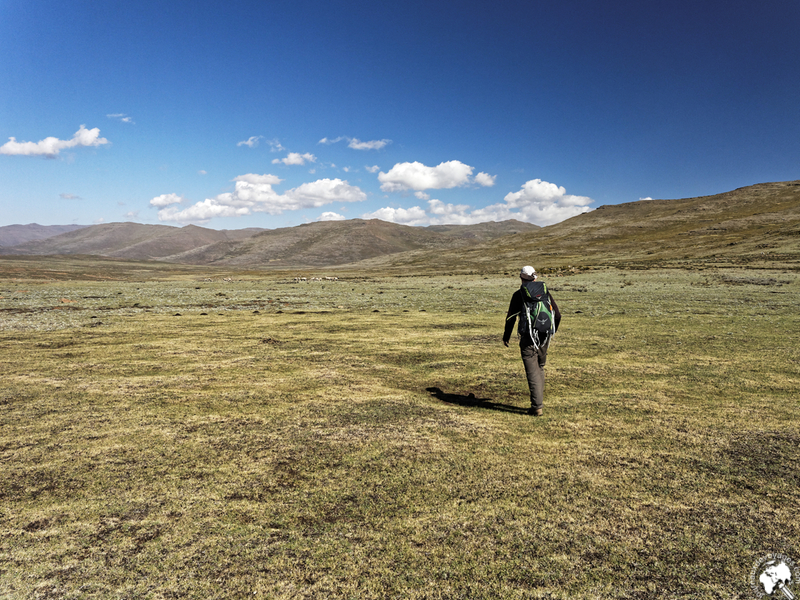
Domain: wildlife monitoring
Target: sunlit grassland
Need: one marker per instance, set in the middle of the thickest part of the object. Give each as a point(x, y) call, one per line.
point(366, 438)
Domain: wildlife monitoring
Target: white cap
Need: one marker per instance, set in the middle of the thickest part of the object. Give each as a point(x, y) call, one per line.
point(528, 273)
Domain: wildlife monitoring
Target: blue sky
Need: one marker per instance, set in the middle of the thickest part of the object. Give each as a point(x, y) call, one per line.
point(270, 114)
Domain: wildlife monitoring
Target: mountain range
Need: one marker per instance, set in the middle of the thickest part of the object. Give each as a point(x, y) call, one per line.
point(758, 223)
point(324, 243)
point(13, 235)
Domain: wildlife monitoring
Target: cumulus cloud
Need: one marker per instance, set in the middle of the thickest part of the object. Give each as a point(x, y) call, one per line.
point(403, 216)
point(275, 146)
point(250, 142)
point(51, 146)
point(538, 195)
point(331, 216)
point(538, 202)
point(254, 193)
point(166, 200)
point(373, 169)
point(321, 192)
point(70, 197)
point(418, 177)
point(450, 213)
point(485, 179)
point(422, 195)
point(295, 158)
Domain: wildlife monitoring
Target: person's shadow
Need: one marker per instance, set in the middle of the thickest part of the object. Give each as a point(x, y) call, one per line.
point(471, 400)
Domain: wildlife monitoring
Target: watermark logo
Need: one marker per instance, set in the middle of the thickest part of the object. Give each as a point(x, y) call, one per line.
point(774, 576)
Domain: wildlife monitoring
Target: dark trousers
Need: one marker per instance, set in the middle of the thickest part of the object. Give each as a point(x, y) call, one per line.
point(534, 361)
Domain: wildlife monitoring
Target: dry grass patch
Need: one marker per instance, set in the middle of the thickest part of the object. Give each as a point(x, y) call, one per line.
point(306, 451)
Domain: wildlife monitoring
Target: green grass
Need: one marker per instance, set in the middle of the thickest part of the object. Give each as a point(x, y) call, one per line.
point(320, 440)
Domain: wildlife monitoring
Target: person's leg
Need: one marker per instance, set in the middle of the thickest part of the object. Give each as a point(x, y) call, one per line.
point(534, 361)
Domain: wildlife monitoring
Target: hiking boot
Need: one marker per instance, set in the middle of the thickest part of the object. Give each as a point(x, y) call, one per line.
point(536, 412)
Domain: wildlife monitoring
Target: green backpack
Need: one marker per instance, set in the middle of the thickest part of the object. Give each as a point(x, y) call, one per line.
point(536, 322)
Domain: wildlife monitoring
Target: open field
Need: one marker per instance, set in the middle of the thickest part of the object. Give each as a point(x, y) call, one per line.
point(172, 437)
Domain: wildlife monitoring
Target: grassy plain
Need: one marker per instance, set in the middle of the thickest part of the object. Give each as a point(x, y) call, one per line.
point(173, 437)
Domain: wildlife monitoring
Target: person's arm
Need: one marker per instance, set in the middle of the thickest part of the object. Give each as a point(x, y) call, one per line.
point(514, 308)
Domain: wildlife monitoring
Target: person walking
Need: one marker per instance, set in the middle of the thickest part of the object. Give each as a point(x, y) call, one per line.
point(539, 319)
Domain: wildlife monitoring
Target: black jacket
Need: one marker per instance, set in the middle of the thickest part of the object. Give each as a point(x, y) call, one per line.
point(515, 309)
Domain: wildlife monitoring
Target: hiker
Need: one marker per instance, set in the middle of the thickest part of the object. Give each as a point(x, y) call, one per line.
point(538, 322)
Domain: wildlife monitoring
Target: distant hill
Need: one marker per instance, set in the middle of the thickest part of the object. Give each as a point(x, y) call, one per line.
point(13, 235)
point(325, 243)
point(130, 240)
point(330, 243)
point(759, 223)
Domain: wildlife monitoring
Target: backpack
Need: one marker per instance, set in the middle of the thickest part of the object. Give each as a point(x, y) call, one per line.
point(536, 321)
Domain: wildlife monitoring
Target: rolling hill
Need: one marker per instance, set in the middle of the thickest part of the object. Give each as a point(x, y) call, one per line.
point(13, 235)
point(130, 240)
point(329, 243)
point(759, 224)
point(324, 243)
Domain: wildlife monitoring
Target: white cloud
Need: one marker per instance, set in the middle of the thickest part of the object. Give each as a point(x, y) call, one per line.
point(134, 214)
point(357, 144)
point(51, 146)
point(201, 212)
point(250, 142)
point(122, 117)
point(538, 202)
point(253, 179)
point(422, 195)
point(485, 179)
point(450, 213)
point(419, 177)
point(404, 216)
point(648, 198)
point(295, 158)
point(373, 169)
point(324, 191)
point(542, 195)
point(275, 146)
point(70, 197)
point(416, 176)
point(202, 172)
point(331, 216)
point(166, 200)
point(254, 193)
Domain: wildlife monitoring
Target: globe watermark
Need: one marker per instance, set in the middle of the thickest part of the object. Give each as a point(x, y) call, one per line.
point(774, 576)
